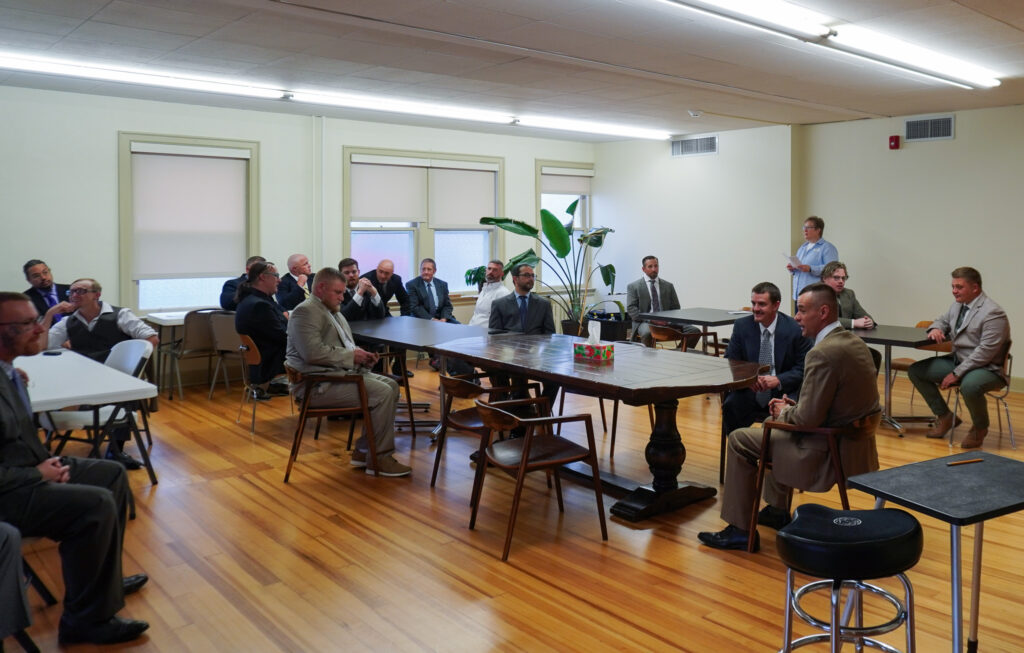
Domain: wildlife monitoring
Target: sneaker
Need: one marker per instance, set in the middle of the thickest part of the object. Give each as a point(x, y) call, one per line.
point(358, 459)
point(388, 466)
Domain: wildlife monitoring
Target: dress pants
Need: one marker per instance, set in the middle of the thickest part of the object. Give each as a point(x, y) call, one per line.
point(740, 409)
point(926, 375)
point(382, 394)
point(14, 615)
point(741, 477)
point(86, 516)
point(643, 333)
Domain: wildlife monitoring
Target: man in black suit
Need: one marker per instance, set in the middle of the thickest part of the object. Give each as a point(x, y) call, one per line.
point(230, 289)
point(784, 353)
point(296, 284)
point(361, 301)
point(44, 293)
point(388, 285)
point(526, 313)
point(428, 295)
point(262, 319)
point(80, 503)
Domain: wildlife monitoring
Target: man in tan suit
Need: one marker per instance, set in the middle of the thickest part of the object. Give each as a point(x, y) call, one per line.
point(319, 340)
point(980, 333)
point(839, 389)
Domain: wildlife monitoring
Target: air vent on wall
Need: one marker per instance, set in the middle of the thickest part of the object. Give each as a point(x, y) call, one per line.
point(695, 146)
point(932, 128)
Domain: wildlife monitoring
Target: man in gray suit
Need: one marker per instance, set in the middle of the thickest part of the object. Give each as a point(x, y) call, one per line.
point(851, 314)
point(648, 294)
point(839, 389)
point(14, 615)
point(980, 334)
point(320, 341)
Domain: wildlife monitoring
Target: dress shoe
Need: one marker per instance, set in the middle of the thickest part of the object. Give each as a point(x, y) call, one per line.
point(358, 459)
point(773, 517)
point(259, 394)
point(730, 537)
point(124, 459)
point(133, 584)
point(942, 426)
point(277, 389)
point(112, 631)
point(974, 438)
point(388, 466)
point(409, 373)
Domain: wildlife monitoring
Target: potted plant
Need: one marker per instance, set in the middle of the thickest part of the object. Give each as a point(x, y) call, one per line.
point(566, 259)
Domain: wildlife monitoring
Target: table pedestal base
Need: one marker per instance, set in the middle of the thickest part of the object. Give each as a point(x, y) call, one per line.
point(643, 502)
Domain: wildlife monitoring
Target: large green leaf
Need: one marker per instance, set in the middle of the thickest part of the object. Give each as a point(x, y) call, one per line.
point(475, 276)
point(556, 234)
point(512, 226)
point(608, 275)
point(595, 237)
point(571, 210)
point(529, 257)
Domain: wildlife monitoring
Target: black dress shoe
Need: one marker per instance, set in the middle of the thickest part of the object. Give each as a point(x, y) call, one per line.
point(112, 631)
point(773, 517)
point(730, 537)
point(133, 584)
point(277, 389)
point(124, 459)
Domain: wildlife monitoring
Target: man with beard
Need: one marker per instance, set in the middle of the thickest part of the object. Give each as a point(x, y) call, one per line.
point(44, 293)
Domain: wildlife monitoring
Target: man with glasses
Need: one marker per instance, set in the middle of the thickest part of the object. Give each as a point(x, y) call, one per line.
point(44, 293)
point(813, 255)
point(851, 314)
point(262, 319)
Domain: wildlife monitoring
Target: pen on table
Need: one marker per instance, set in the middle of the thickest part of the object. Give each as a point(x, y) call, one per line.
point(964, 462)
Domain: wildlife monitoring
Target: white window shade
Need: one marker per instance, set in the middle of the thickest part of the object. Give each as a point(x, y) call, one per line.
point(572, 181)
point(387, 192)
point(189, 214)
point(459, 198)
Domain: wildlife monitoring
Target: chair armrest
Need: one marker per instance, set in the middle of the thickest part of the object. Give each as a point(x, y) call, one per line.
point(333, 378)
point(797, 428)
point(554, 419)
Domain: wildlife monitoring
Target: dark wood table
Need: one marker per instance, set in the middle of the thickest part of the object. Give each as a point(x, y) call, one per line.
point(637, 376)
point(702, 317)
point(901, 336)
point(959, 495)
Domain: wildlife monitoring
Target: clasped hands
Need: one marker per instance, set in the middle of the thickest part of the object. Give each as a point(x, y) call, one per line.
point(775, 406)
point(364, 358)
point(54, 470)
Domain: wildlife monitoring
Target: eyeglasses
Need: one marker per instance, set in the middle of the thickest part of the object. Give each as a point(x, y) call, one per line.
point(271, 274)
point(78, 291)
point(21, 324)
point(836, 277)
point(527, 275)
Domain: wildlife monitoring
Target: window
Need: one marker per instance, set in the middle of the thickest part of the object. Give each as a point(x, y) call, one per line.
point(460, 251)
point(187, 216)
point(560, 186)
point(370, 244)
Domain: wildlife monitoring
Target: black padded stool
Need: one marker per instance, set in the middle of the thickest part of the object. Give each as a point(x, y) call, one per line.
point(849, 547)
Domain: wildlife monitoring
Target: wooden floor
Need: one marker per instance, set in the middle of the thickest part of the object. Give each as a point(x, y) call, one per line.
point(338, 560)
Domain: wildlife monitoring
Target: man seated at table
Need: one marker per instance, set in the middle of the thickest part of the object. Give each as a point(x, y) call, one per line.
point(320, 341)
point(839, 389)
point(228, 300)
point(650, 294)
point(79, 502)
point(262, 319)
point(851, 314)
point(44, 293)
point(770, 338)
point(429, 300)
point(14, 615)
point(980, 333)
point(492, 288)
point(362, 301)
point(388, 285)
point(526, 313)
point(296, 284)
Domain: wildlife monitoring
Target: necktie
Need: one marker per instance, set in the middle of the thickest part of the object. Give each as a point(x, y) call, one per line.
point(960, 318)
point(345, 339)
point(19, 387)
point(522, 312)
point(655, 300)
point(764, 357)
point(431, 298)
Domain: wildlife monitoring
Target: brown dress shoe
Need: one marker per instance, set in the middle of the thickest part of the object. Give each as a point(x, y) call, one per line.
point(942, 426)
point(974, 438)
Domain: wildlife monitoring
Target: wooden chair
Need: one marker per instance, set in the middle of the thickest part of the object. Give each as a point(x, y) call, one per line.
point(308, 383)
point(538, 449)
point(660, 334)
point(903, 364)
point(998, 396)
point(833, 435)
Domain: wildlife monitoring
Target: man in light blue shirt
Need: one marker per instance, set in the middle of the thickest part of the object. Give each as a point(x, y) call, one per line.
point(814, 254)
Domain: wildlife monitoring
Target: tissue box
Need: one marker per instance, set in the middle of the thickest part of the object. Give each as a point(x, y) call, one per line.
point(599, 353)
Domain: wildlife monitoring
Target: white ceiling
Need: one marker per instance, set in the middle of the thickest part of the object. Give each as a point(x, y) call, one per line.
point(637, 62)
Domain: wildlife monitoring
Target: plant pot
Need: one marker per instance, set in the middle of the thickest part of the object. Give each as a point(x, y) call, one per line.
point(611, 330)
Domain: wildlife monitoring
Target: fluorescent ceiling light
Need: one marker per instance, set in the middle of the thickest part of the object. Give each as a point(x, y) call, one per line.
point(772, 16)
point(73, 69)
point(588, 127)
point(375, 103)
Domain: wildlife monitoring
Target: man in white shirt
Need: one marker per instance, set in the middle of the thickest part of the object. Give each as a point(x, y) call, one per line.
point(492, 289)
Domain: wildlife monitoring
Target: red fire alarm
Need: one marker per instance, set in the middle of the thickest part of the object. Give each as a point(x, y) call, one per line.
point(894, 142)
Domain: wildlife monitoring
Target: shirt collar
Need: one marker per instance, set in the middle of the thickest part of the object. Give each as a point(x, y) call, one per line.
point(771, 327)
point(829, 328)
point(7, 368)
point(971, 305)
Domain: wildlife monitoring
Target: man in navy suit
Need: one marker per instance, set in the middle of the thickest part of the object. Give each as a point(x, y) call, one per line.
point(785, 352)
point(44, 293)
point(388, 285)
point(428, 296)
point(230, 288)
point(297, 284)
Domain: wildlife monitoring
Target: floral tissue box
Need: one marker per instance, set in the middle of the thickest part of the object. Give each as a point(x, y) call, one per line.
point(597, 353)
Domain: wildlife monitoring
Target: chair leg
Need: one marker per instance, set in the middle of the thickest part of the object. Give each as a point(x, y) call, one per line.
point(252, 424)
point(604, 422)
point(316, 433)
point(561, 410)
point(596, 473)
point(177, 374)
point(25, 641)
point(478, 480)
point(558, 489)
point(615, 425)
point(216, 373)
point(408, 395)
point(296, 441)
point(520, 479)
point(437, 456)
point(351, 432)
point(37, 583)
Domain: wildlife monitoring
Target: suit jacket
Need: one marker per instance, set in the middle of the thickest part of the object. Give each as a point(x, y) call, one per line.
point(20, 448)
point(289, 294)
point(839, 389)
point(539, 318)
point(354, 312)
point(419, 305)
point(849, 308)
point(790, 349)
point(393, 288)
point(263, 320)
point(638, 298)
point(981, 341)
point(314, 344)
point(227, 293)
point(40, 303)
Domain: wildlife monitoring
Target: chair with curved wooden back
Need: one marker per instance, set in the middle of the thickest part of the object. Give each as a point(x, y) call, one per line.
point(539, 449)
point(660, 334)
point(308, 383)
